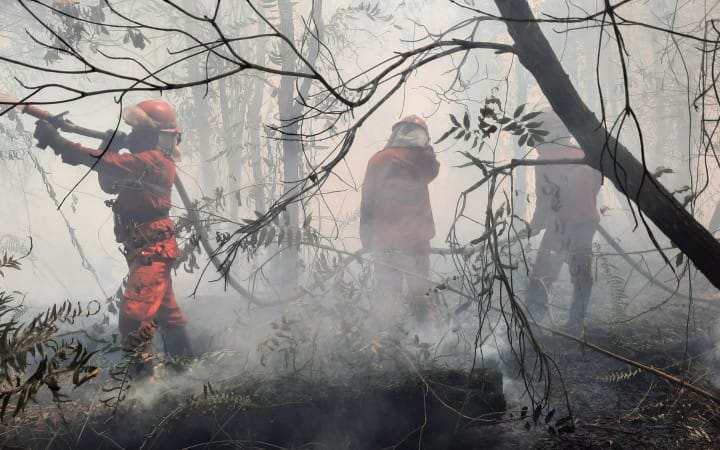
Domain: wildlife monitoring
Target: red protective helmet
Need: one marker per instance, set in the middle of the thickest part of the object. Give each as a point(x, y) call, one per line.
point(413, 119)
point(151, 113)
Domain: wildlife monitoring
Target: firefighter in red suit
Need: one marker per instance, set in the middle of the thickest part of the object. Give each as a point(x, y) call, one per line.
point(566, 209)
point(396, 221)
point(142, 179)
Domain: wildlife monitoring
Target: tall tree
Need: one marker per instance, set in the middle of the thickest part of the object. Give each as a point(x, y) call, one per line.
point(291, 103)
point(232, 111)
point(291, 144)
point(254, 125)
point(202, 128)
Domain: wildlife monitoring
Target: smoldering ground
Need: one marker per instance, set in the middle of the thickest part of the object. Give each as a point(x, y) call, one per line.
point(333, 373)
point(353, 380)
point(297, 374)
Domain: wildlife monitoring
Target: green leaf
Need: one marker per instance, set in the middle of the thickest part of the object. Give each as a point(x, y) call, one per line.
point(446, 134)
point(540, 132)
point(688, 198)
point(478, 240)
point(531, 115)
point(519, 110)
point(477, 162)
point(522, 140)
point(533, 124)
point(504, 120)
point(678, 259)
point(454, 120)
point(466, 120)
point(662, 170)
point(488, 112)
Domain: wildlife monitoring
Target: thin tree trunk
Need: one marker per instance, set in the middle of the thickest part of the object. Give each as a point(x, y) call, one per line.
point(202, 128)
point(614, 160)
point(253, 127)
point(233, 132)
point(521, 185)
point(290, 110)
point(291, 146)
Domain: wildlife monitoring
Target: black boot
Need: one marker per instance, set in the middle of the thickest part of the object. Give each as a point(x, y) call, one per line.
point(576, 318)
point(536, 299)
point(177, 342)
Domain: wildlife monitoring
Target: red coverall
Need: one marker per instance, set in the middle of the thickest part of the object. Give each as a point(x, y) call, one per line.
point(143, 183)
point(395, 215)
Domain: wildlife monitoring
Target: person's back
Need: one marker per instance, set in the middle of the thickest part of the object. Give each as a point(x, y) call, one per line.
point(396, 221)
point(566, 209)
point(566, 193)
point(396, 211)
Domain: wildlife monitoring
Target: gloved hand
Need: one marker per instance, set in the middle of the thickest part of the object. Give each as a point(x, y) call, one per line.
point(46, 134)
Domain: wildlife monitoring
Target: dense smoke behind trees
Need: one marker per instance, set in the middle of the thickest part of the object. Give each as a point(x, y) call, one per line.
point(235, 153)
point(282, 104)
point(658, 62)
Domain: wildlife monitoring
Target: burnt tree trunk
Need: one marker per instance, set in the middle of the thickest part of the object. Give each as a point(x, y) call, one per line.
point(232, 113)
point(202, 129)
point(291, 147)
point(291, 109)
point(602, 151)
point(253, 126)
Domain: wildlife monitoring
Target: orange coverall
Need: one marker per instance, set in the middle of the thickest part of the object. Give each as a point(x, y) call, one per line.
point(143, 183)
point(395, 214)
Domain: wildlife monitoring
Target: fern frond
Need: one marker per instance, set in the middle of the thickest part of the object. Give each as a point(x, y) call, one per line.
point(619, 376)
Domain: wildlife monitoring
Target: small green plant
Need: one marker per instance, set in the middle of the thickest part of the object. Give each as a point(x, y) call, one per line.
point(33, 355)
point(620, 375)
point(616, 283)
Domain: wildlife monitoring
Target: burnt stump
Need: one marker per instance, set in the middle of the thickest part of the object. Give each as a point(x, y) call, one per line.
point(432, 409)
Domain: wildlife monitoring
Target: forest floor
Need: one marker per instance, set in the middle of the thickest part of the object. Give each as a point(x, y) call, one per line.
point(616, 405)
point(613, 404)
